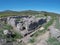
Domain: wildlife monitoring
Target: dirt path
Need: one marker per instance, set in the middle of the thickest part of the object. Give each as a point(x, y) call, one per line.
point(41, 40)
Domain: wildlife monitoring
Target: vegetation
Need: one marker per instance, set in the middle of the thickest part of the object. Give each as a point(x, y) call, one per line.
point(39, 32)
point(18, 19)
point(1, 33)
point(57, 23)
point(49, 23)
point(8, 27)
point(26, 12)
point(18, 36)
point(14, 13)
point(32, 40)
point(53, 41)
point(4, 27)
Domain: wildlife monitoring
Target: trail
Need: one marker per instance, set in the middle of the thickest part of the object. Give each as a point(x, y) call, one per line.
point(41, 40)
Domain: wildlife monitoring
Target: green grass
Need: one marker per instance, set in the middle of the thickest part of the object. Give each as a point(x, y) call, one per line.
point(18, 19)
point(8, 27)
point(1, 31)
point(57, 23)
point(18, 36)
point(39, 15)
point(53, 41)
point(32, 40)
point(49, 23)
point(39, 32)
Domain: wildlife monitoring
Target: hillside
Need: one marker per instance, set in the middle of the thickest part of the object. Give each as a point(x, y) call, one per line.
point(26, 12)
point(36, 30)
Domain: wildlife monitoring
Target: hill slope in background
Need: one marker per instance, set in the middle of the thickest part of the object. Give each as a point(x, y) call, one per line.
point(27, 12)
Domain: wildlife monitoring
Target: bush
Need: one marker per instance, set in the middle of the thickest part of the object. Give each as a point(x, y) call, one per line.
point(32, 40)
point(18, 36)
point(8, 27)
